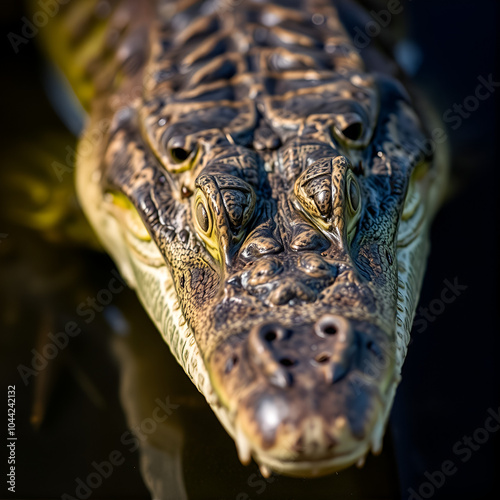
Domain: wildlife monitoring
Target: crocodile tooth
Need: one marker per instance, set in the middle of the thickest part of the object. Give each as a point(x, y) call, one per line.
point(265, 471)
point(377, 436)
point(361, 462)
point(242, 446)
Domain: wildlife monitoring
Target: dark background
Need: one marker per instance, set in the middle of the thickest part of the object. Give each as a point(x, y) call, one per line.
point(451, 375)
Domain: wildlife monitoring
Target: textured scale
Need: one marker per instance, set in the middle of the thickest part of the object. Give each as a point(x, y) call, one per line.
point(269, 162)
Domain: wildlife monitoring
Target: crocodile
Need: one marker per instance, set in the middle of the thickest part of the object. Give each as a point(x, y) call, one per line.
point(267, 188)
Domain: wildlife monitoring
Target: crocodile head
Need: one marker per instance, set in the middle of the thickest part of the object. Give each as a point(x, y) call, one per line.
point(271, 208)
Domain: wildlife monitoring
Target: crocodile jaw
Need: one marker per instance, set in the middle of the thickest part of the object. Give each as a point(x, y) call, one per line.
point(144, 268)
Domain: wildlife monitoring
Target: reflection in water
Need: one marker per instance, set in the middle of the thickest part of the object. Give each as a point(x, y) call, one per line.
point(185, 452)
point(149, 395)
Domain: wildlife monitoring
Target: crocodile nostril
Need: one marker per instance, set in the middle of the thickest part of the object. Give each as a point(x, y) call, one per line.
point(287, 362)
point(322, 358)
point(266, 348)
point(289, 355)
point(333, 326)
point(330, 330)
point(270, 336)
point(272, 332)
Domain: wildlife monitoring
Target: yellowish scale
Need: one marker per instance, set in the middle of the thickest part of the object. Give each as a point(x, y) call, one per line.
point(130, 217)
point(75, 59)
point(209, 237)
point(413, 196)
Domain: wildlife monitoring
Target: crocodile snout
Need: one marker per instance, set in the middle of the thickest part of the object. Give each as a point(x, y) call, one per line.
point(303, 392)
point(291, 356)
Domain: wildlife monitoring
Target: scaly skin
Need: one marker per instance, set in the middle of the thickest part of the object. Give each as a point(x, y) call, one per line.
point(265, 191)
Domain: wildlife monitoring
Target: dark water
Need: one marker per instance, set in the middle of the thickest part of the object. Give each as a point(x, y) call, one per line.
point(117, 374)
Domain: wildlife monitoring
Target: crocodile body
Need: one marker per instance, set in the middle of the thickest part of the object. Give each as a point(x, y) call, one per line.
point(265, 190)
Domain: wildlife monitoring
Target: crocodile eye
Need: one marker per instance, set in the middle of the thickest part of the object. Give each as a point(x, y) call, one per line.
point(222, 208)
point(202, 217)
point(204, 222)
point(415, 205)
point(353, 194)
point(413, 196)
point(128, 214)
